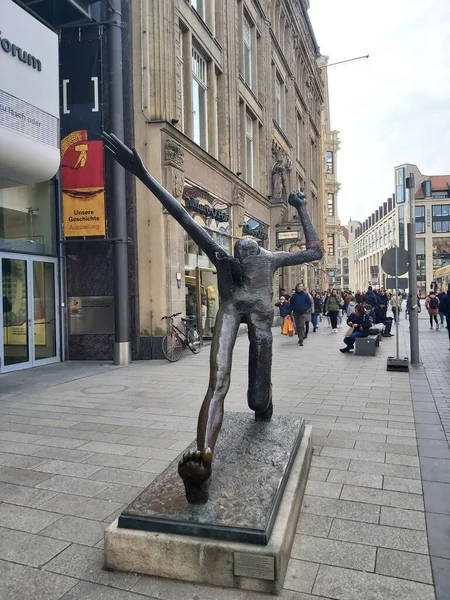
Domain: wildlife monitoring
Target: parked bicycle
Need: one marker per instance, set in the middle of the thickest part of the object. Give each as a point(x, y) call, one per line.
point(176, 340)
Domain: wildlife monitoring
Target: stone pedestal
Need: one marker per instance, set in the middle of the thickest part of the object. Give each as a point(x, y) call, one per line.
point(243, 536)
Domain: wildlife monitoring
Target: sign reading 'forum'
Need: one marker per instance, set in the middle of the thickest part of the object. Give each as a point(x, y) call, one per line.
point(22, 55)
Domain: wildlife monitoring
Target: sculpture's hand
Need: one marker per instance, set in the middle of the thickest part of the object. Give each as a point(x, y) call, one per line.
point(128, 158)
point(297, 199)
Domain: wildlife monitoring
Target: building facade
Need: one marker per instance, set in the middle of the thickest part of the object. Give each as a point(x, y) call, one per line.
point(330, 148)
point(228, 118)
point(223, 100)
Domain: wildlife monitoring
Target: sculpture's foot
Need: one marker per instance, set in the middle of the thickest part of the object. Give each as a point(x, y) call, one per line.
point(195, 471)
point(264, 415)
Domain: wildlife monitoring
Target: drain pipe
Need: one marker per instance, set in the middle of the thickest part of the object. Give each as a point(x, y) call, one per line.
point(122, 348)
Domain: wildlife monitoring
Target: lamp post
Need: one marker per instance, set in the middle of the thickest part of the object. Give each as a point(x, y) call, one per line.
point(413, 313)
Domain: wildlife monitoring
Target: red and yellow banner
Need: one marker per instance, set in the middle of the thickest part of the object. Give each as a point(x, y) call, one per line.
point(83, 186)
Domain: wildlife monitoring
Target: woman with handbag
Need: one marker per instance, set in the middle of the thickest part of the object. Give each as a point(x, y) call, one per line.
point(332, 308)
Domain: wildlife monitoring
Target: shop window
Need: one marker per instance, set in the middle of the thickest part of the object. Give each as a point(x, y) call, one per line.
point(28, 218)
point(199, 100)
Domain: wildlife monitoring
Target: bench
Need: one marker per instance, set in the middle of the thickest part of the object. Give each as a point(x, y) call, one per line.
point(367, 346)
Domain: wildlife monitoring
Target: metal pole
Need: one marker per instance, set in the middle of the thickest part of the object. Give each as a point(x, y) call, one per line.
point(122, 350)
point(397, 311)
point(413, 313)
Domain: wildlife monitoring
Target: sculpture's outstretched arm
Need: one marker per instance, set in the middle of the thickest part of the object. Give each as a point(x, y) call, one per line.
point(132, 162)
point(314, 250)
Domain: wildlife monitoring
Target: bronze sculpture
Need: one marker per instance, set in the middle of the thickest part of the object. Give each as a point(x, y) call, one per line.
point(245, 283)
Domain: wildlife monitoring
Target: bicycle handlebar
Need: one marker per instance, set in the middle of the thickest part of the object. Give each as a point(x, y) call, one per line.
point(171, 316)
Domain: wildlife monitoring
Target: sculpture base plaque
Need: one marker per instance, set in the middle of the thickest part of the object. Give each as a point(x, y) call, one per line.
point(243, 536)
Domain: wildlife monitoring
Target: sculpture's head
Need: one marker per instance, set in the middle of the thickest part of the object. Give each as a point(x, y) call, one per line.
point(244, 248)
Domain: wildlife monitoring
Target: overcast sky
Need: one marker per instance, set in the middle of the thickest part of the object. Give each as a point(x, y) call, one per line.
point(394, 107)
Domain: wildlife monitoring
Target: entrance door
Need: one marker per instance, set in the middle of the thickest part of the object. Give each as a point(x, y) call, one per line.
point(28, 300)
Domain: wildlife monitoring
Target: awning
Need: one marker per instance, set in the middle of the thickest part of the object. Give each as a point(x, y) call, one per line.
point(60, 13)
point(442, 271)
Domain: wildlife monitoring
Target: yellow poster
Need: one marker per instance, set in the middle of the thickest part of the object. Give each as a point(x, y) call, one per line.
point(83, 186)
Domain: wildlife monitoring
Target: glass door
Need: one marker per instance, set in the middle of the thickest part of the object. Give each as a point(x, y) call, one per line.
point(30, 325)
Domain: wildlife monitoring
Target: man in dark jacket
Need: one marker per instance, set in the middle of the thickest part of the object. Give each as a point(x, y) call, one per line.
point(300, 305)
point(370, 297)
point(361, 324)
point(445, 308)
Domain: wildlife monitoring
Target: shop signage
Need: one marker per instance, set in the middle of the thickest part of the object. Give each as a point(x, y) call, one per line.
point(209, 211)
point(287, 237)
point(23, 56)
point(255, 229)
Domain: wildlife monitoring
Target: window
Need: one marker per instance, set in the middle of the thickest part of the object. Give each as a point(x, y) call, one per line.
point(247, 66)
point(330, 162)
point(279, 100)
point(420, 219)
point(330, 205)
point(299, 136)
point(330, 244)
point(441, 218)
point(199, 99)
point(420, 227)
point(199, 6)
point(400, 185)
point(249, 147)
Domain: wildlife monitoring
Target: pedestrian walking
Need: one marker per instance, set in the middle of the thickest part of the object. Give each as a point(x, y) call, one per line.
point(284, 308)
point(308, 315)
point(331, 309)
point(316, 311)
point(300, 304)
point(441, 313)
point(432, 306)
point(445, 304)
point(396, 305)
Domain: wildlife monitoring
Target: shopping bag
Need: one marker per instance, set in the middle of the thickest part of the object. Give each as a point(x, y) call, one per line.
point(349, 332)
point(291, 327)
point(285, 331)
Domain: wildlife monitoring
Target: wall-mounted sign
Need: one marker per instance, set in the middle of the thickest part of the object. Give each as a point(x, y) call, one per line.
point(22, 55)
point(211, 212)
point(254, 229)
point(287, 237)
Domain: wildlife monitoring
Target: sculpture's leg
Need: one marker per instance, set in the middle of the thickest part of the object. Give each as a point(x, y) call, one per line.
point(195, 467)
point(259, 393)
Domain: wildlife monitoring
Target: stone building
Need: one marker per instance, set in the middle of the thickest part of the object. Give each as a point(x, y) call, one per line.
point(332, 229)
point(227, 111)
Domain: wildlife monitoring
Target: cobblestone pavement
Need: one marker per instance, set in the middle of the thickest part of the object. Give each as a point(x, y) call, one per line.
point(79, 441)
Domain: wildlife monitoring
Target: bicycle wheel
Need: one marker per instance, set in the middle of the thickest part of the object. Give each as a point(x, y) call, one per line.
point(194, 340)
point(172, 347)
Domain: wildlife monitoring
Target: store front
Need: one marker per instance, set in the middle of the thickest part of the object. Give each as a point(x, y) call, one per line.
point(201, 291)
point(255, 230)
point(29, 159)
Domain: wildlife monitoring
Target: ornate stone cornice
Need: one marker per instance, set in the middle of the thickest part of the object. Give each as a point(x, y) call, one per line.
point(173, 154)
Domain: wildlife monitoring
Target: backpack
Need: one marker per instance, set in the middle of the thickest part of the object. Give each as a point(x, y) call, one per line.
point(434, 303)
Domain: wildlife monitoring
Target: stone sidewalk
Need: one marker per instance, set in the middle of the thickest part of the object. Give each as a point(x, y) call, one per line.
point(79, 441)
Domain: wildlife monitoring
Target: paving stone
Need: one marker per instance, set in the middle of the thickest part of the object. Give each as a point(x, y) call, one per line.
point(93, 591)
point(310, 524)
point(432, 432)
point(438, 527)
point(384, 469)
point(333, 442)
point(405, 565)
point(59, 442)
point(395, 538)
point(433, 448)
point(17, 448)
point(323, 489)
point(63, 454)
point(75, 529)
point(73, 485)
point(318, 474)
point(331, 552)
point(400, 517)
point(163, 589)
point(18, 582)
point(441, 574)
point(155, 453)
point(71, 469)
point(435, 469)
point(329, 507)
point(124, 476)
point(402, 459)
point(115, 461)
point(25, 519)
point(391, 448)
point(23, 496)
point(28, 549)
point(388, 431)
point(22, 476)
point(19, 461)
point(300, 575)
point(120, 493)
point(107, 448)
point(382, 497)
point(359, 479)
point(400, 484)
point(154, 466)
point(79, 506)
point(347, 584)
point(86, 563)
point(353, 454)
point(400, 439)
point(437, 497)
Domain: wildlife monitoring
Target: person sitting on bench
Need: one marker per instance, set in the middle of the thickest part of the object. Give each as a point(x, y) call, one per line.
point(380, 317)
point(360, 323)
